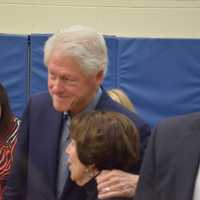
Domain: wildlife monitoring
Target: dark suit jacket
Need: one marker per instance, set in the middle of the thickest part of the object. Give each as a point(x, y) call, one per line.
point(171, 160)
point(33, 175)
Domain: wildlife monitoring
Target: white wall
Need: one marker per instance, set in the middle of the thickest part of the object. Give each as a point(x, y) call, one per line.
point(135, 18)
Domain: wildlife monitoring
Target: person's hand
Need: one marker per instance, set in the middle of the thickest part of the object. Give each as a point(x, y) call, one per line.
point(116, 183)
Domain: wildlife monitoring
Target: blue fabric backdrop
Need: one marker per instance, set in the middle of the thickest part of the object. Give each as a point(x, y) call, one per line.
point(14, 69)
point(161, 76)
point(38, 71)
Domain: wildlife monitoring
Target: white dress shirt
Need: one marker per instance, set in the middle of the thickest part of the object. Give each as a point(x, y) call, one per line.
point(196, 195)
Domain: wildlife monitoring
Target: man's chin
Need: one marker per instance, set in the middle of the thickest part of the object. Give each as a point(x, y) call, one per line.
point(60, 108)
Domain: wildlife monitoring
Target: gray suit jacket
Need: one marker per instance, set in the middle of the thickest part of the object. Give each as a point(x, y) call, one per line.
point(171, 160)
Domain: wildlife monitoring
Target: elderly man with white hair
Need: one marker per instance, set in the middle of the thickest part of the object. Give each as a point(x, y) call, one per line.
point(76, 60)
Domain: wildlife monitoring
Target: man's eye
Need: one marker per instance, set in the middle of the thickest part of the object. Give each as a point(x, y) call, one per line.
point(70, 81)
point(65, 79)
point(52, 76)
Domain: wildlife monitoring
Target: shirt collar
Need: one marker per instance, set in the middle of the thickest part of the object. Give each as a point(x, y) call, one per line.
point(92, 105)
point(94, 102)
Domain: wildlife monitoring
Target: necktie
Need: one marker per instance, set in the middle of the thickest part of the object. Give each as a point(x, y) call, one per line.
point(62, 167)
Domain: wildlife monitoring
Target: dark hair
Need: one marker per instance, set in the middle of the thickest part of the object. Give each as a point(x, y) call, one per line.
point(107, 139)
point(6, 114)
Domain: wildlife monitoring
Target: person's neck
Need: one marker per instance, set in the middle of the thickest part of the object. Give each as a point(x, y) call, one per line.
point(85, 105)
point(90, 176)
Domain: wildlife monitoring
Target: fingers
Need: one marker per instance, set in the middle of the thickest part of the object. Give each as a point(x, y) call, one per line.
point(106, 179)
point(104, 176)
point(116, 183)
point(119, 190)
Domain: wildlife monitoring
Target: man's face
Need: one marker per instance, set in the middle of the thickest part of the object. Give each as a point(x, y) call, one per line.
point(70, 87)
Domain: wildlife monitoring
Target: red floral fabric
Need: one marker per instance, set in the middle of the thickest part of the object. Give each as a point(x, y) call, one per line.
point(6, 154)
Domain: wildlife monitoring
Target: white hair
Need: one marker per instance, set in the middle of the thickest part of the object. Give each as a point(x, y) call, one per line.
point(86, 45)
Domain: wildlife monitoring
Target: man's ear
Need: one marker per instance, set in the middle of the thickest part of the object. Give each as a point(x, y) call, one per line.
point(100, 76)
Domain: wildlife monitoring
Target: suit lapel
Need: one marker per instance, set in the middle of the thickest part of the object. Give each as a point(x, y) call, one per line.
point(186, 164)
point(55, 130)
point(52, 141)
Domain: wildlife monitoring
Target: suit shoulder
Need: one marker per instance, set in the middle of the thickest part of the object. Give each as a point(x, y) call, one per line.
point(106, 103)
point(41, 97)
point(180, 121)
point(39, 103)
point(173, 129)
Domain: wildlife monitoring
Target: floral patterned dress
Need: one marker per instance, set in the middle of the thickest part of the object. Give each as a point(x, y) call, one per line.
point(6, 153)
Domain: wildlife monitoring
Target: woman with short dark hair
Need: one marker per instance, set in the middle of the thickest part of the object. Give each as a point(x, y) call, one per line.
point(100, 141)
point(9, 125)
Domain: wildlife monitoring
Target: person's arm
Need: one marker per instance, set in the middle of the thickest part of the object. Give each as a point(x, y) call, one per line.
point(116, 183)
point(16, 183)
point(146, 183)
point(144, 135)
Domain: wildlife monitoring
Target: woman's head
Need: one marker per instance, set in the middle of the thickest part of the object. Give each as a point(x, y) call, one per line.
point(104, 140)
point(5, 111)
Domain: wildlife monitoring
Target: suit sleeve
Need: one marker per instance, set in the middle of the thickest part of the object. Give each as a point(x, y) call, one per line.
point(145, 189)
point(144, 134)
point(16, 183)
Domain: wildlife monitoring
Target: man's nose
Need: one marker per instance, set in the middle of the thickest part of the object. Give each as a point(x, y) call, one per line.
point(57, 85)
